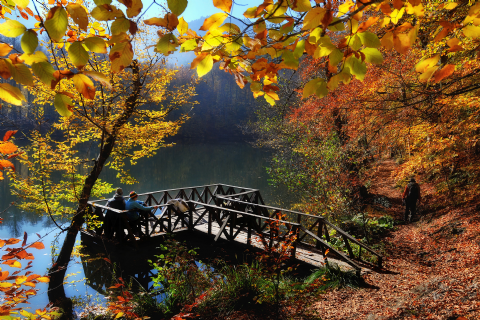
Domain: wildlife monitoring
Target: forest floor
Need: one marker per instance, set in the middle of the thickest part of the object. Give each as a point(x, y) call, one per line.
point(431, 268)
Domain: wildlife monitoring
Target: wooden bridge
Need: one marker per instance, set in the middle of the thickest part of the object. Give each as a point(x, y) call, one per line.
point(240, 214)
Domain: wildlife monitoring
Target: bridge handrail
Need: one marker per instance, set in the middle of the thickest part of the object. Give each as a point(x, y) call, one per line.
point(337, 229)
point(243, 213)
point(123, 211)
point(187, 188)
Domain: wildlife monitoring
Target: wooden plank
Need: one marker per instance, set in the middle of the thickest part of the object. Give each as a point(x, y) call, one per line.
point(347, 244)
point(222, 229)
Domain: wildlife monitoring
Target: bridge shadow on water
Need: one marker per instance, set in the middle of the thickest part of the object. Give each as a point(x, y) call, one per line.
point(104, 262)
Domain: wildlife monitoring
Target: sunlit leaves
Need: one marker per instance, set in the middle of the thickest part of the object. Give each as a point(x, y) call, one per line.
point(44, 71)
point(372, 55)
point(471, 31)
point(38, 56)
point(177, 6)
point(78, 54)
point(84, 86)
point(100, 77)
point(63, 104)
point(423, 65)
point(369, 39)
point(12, 28)
point(11, 94)
point(169, 21)
point(21, 74)
point(120, 25)
point(316, 86)
point(167, 44)
point(29, 41)
point(96, 44)
point(205, 65)
point(134, 7)
point(56, 23)
point(214, 21)
point(445, 72)
point(22, 4)
point(121, 56)
point(357, 67)
point(313, 18)
point(106, 12)
point(5, 49)
point(301, 5)
point(225, 5)
point(78, 14)
point(182, 27)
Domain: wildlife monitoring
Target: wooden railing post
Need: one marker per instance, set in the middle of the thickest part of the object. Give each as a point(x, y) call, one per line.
point(318, 245)
point(209, 221)
point(296, 232)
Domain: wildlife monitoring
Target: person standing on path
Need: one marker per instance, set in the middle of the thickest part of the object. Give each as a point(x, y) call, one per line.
point(410, 197)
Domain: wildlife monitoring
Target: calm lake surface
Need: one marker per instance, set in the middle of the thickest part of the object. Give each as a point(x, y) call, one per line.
point(183, 165)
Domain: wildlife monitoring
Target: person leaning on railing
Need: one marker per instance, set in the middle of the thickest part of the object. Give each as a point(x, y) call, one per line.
point(134, 207)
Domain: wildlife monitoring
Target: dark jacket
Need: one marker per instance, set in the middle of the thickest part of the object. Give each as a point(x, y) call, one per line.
point(117, 202)
point(407, 192)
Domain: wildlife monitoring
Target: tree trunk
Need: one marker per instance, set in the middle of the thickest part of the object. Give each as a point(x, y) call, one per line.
point(56, 291)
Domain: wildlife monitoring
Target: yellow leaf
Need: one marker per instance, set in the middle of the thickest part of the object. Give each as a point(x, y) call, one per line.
point(63, 104)
point(5, 284)
point(182, 26)
point(29, 41)
point(301, 5)
point(225, 5)
point(78, 55)
point(121, 56)
point(450, 6)
point(20, 279)
point(100, 77)
point(401, 43)
point(43, 279)
point(387, 41)
point(30, 59)
point(84, 86)
point(11, 94)
point(120, 25)
point(177, 6)
point(427, 75)
point(369, 39)
point(417, 10)
point(12, 28)
point(21, 4)
point(78, 14)
point(96, 44)
point(56, 23)
point(313, 18)
point(316, 86)
point(205, 65)
point(5, 49)
point(119, 315)
point(357, 67)
point(106, 12)
point(214, 21)
point(397, 15)
point(134, 7)
point(471, 32)
point(250, 13)
point(423, 65)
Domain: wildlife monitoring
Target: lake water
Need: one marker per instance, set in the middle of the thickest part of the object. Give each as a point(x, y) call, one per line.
point(183, 165)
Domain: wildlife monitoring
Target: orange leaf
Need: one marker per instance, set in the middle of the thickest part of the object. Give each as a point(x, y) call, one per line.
point(32, 277)
point(444, 72)
point(225, 5)
point(3, 275)
point(5, 49)
point(13, 263)
point(37, 245)
point(30, 284)
point(43, 279)
point(7, 147)
point(6, 164)
point(8, 134)
point(12, 241)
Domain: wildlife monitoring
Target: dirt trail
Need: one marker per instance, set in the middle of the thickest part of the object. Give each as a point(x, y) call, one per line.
point(430, 270)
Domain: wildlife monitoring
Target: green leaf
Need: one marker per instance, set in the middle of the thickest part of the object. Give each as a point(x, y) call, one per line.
point(63, 104)
point(120, 25)
point(339, 26)
point(188, 45)
point(12, 28)
point(354, 42)
point(290, 60)
point(372, 55)
point(78, 54)
point(96, 44)
point(44, 71)
point(205, 65)
point(38, 56)
point(357, 67)
point(369, 39)
point(21, 74)
point(299, 49)
point(29, 41)
point(106, 12)
point(167, 44)
point(56, 23)
point(177, 6)
point(335, 57)
point(316, 86)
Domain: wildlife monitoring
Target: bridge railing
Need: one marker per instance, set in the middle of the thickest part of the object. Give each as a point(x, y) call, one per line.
point(314, 230)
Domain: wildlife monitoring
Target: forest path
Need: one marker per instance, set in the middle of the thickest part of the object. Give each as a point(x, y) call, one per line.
point(430, 269)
